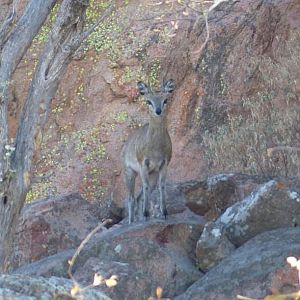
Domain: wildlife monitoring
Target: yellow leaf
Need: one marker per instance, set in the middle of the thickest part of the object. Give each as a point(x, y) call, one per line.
point(159, 292)
point(115, 277)
point(98, 279)
point(111, 282)
point(292, 261)
point(75, 290)
point(298, 265)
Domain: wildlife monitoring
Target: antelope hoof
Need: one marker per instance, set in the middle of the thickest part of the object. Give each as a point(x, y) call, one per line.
point(165, 213)
point(146, 214)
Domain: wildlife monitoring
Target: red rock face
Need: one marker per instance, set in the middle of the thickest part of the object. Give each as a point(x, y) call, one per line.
point(95, 109)
point(53, 225)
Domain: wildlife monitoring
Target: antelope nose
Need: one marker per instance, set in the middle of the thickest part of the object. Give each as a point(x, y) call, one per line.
point(158, 111)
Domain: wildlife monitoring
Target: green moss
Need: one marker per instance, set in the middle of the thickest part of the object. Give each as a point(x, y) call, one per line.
point(91, 189)
point(154, 72)
point(96, 154)
point(40, 190)
point(121, 117)
point(198, 112)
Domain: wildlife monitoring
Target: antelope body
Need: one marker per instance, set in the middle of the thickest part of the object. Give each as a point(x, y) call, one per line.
point(148, 151)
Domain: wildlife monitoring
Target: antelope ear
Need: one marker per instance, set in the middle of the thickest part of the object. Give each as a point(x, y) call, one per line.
point(143, 88)
point(169, 86)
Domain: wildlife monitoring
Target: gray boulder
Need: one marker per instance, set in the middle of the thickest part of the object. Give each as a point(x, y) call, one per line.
point(212, 196)
point(143, 256)
point(275, 204)
point(20, 287)
point(255, 270)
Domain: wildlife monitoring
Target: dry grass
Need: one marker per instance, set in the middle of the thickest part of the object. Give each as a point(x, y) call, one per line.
point(264, 136)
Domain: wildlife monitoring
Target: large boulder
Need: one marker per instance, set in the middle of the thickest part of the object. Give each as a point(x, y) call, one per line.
point(255, 270)
point(144, 256)
point(212, 196)
point(275, 204)
point(20, 287)
point(52, 225)
point(55, 265)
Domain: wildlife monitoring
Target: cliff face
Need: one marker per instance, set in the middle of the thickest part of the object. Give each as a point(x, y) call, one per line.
point(235, 103)
point(97, 106)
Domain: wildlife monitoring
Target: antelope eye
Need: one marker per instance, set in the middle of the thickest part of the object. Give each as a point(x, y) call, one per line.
point(149, 102)
point(165, 101)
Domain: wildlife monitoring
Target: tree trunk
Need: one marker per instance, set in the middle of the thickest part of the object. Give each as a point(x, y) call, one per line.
point(13, 44)
point(63, 41)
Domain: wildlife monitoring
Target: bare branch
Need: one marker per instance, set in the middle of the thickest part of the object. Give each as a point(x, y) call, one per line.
point(69, 45)
point(86, 34)
point(52, 66)
point(274, 150)
point(7, 24)
point(199, 51)
point(165, 22)
point(216, 3)
point(84, 242)
point(22, 35)
point(211, 8)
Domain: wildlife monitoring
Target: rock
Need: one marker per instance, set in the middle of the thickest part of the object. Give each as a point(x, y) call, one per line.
point(145, 256)
point(55, 265)
point(212, 247)
point(142, 255)
point(212, 196)
point(175, 202)
point(19, 287)
point(55, 224)
point(275, 204)
point(255, 270)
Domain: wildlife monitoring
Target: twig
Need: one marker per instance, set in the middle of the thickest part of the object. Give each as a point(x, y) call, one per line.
point(211, 8)
point(7, 24)
point(83, 243)
point(86, 34)
point(244, 298)
point(199, 51)
point(272, 150)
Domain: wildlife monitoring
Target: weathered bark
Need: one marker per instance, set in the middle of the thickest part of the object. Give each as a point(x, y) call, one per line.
point(13, 45)
point(64, 39)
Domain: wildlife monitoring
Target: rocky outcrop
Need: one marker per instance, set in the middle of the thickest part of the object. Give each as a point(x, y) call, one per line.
point(243, 251)
point(255, 270)
point(95, 104)
point(143, 256)
point(52, 225)
point(275, 204)
point(244, 247)
point(212, 196)
point(22, 287)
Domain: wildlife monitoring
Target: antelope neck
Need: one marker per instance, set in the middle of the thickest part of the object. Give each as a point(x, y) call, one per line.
point(157, 125)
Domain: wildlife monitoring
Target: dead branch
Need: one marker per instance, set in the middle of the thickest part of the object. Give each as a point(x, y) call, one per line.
point(272, 151)
point(7, 25)
point(83, 243)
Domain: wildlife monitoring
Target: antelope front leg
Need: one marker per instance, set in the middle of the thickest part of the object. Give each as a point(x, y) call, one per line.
point(130, 176)
point(162, 189)
point(146, 190)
